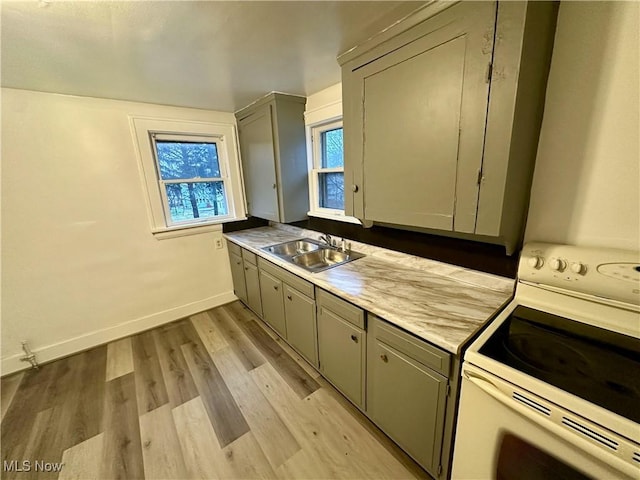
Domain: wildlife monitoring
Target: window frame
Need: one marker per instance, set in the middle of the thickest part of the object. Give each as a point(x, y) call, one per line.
point(146, 131)
point(217, 140)
point(316, 141)
point(314, 153)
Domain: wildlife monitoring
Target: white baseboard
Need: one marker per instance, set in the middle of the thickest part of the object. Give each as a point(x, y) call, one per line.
point(45, 354)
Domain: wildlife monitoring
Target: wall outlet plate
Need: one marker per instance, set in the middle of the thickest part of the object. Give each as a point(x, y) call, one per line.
point(218, 243)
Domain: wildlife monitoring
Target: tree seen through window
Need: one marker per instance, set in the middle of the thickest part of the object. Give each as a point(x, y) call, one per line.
point(331, 184)
point(191, 175)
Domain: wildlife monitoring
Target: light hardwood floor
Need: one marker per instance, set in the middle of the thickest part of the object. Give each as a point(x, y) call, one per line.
point(216, 396)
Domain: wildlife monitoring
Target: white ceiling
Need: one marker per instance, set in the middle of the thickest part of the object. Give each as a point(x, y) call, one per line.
point(203, 54)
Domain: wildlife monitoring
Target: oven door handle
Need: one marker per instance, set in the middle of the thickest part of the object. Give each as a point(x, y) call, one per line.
point(547, 422)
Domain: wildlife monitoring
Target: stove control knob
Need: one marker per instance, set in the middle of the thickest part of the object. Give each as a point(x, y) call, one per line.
point(535, 262)
point(578, 268)
point(558, 264)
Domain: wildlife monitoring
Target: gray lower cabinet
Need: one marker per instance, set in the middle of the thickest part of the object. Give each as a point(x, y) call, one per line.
point(237, 274)
point(401, 382)
point(405, 397)
point(244, 273)
point(300, 314)
point(289, 307)
point(342, 346)
point(254, 300)
point(272, 302)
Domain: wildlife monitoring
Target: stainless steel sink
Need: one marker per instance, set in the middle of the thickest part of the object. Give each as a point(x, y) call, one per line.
point(312, 255)
point(323, 259)
point(289, 249)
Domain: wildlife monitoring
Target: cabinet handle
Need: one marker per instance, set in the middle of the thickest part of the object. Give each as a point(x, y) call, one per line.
point(246, 268)
point(289, 297)
point(275, 287)
point(384, 358)
point(354, 188)
point(273, 186)
point(238, 263)
point(354, 338)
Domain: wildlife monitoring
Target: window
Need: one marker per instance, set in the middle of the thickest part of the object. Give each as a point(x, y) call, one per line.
point(327, 174)
point(190, 179)
point(191, 173)
point(331, 169)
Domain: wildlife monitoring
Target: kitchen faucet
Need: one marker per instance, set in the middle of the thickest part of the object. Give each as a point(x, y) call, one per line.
point(332, 243)
point(326, 238)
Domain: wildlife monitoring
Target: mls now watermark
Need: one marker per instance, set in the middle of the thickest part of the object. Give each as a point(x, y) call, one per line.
point(29, 466)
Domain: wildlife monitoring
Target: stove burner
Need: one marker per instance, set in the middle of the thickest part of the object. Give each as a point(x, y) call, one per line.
point(597, 365)
point(549, 355)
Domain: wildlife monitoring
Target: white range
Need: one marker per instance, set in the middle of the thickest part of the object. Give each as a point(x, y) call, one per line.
point(551, 389)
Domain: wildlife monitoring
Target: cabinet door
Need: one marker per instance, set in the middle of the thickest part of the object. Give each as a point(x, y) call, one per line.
point(272, 302)
point(300, 312)
point(258, 164)
point(407, 401)
point(341, 350)
point(253, 288)
point(419, 120)
point(237, 274)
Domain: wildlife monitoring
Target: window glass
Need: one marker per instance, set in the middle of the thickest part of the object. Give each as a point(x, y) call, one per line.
point(191, 180)
point(326, 177)
point(195, 200)
point(332, 149)
point(331, 190)
point(185, 160)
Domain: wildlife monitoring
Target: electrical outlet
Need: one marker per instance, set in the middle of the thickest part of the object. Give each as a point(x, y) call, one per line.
point(218, 243)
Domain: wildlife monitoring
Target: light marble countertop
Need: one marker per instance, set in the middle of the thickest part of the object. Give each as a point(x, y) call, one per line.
point(438, 302)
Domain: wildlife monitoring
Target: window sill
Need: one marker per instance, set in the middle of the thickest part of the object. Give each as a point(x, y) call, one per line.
point(184, 230)
point(335, 216)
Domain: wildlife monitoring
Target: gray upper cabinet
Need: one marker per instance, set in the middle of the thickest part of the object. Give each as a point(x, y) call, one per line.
point(435, 87)
point(274, 161)
point(258, 164)
point(441, 118)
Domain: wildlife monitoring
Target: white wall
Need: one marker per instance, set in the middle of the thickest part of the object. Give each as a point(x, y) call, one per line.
point(324, 105)
point(586, 187)
point(79, 264)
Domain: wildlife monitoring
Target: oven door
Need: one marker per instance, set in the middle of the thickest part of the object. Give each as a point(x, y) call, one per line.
point(506, 433)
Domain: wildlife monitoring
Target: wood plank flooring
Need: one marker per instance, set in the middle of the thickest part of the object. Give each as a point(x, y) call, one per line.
point(214, 396)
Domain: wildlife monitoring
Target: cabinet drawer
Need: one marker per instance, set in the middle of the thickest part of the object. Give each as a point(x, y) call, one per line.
point(252, 258)
point(414, 348)
point(233, 248)
point(344, 309)
point(289, 278)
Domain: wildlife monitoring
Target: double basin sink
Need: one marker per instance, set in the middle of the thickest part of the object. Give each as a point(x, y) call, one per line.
point(311, 254)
